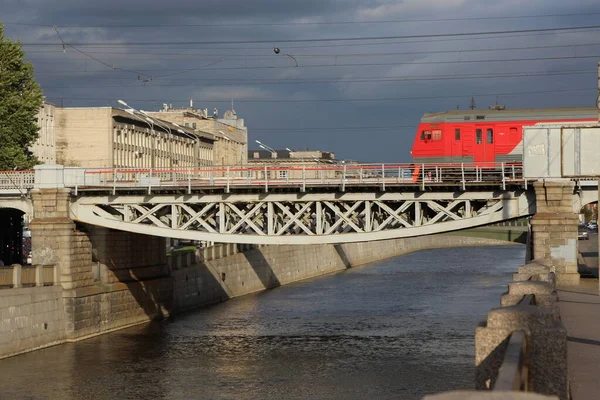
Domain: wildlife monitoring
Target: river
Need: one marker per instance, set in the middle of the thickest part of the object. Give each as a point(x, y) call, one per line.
point(395, 329)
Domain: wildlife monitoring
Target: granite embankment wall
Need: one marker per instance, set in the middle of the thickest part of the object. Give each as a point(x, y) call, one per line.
point(31, 318)
point(129, 280)
point(197, 281)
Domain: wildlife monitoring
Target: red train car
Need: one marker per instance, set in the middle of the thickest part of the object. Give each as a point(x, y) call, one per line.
point(484, 136)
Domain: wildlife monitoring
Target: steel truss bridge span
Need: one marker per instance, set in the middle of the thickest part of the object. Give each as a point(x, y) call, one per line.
point(301, 218)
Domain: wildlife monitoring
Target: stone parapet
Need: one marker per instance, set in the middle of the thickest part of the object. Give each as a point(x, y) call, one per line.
point(466, 395)
point(546, 337)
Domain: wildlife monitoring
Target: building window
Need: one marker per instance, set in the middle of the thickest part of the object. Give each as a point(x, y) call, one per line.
point(256, 154)
point(490, 136)
point(194, 125)
point(478, 136)
point(457, 134)
point(187, 124)
point(283, 174)
point(480, 117)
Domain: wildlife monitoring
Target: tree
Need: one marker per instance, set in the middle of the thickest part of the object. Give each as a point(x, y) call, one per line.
point(20, 100)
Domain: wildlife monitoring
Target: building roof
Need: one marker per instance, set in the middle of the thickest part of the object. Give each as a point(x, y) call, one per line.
point(162, 125)
point(522, 114)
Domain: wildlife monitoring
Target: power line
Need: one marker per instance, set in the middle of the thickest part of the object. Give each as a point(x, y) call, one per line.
point(337, 65)
point(290, 23)
point(336, 81)
point(333, 55)
point(330, 45)
point(249, 41)
point(468, 95)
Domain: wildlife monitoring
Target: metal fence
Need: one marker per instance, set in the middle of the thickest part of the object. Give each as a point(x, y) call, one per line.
point(16, 181)
point(264, 176)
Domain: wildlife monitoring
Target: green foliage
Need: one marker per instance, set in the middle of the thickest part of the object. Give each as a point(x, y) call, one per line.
point(20, 100)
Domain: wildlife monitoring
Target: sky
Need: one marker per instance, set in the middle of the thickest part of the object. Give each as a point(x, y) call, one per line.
point(360, 97)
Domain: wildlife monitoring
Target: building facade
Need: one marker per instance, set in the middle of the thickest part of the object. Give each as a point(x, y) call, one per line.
point(229, 131)
point(44, 147)
point(98, 137)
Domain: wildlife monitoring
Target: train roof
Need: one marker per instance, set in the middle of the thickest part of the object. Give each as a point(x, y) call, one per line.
point(522, 114)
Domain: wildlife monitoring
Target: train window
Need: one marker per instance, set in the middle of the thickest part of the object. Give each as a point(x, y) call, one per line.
point(513, 135)
point(490, 136)
point(437, 134)
point(425, 135)
point(457, 134)
point(478, 136)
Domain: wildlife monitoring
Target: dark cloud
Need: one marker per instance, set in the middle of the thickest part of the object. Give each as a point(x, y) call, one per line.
point(247, 73)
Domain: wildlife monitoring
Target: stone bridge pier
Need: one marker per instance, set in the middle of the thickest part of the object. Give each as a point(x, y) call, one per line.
point(110, 279)
point(555, 228)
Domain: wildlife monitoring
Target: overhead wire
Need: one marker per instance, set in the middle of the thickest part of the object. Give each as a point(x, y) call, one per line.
point(338, 65)
point(316, 40)
point(335, 81)
point(281, 101)
point(333, 55)
point(304, 23)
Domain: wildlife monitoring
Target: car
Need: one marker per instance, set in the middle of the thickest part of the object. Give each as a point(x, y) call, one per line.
point(583, 235)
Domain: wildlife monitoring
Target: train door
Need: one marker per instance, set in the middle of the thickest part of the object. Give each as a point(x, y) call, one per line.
point(484, 149)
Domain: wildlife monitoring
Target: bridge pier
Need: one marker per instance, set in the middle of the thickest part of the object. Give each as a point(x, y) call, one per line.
point(555, 228)
point(131, 286)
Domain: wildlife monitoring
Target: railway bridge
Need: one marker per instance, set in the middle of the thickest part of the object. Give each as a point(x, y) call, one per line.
point(280, 205)
point(295, 205)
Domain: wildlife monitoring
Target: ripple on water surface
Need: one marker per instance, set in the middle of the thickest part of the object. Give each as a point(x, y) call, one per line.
point(395, 329)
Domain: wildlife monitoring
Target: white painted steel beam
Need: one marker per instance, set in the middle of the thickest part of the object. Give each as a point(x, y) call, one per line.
point(310, 219)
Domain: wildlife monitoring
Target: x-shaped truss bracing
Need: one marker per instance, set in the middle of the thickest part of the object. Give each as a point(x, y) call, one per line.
point(299, 221)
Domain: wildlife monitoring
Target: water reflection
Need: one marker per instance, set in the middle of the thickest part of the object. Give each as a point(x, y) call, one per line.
point(396, 329)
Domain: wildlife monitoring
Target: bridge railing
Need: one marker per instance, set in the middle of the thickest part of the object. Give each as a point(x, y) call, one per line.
point(266, 175)
point(16, 181)
point(17, 276)
point(303, 175)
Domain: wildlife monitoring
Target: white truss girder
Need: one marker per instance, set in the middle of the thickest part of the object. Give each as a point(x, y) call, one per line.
point(301, 219)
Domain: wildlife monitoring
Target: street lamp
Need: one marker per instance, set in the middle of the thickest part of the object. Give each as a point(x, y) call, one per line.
point(194, 138)
point(266, 147)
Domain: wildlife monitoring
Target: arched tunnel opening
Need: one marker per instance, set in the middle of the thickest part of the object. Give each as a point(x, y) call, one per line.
point(588, 213)
point(12, 244)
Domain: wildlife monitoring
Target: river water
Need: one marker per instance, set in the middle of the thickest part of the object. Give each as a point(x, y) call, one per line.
point(396, 329)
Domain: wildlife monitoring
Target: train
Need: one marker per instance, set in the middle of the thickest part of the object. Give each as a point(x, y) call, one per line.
point(481, 137)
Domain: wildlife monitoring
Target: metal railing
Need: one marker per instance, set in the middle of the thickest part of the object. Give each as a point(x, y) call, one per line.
point(17, 276)
point(514, 372)
point(293, 175)
point(16, 181)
